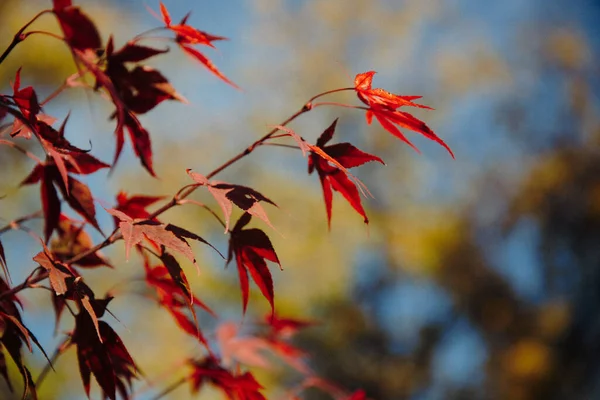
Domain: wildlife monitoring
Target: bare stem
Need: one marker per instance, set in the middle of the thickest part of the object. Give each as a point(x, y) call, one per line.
point(22, 150)
point(57, 352)
point(20, 36)
point(170, 388)
point(14, 224)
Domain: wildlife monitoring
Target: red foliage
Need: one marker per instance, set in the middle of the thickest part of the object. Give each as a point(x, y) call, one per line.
point(134, 89)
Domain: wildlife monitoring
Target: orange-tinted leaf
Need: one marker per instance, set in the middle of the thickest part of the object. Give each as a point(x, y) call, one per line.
point(208, 64)
point(73, 240)
point(384, 106)
point(165, 14)
point(56, 273)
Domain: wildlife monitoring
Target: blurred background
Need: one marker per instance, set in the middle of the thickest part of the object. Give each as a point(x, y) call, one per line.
point(477, 278)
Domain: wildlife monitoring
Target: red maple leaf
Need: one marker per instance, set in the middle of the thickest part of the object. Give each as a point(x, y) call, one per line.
point(71, 240)
point(105, 356)
point(135, 206)
point(235, 386)
point(384, 106)
point(12, 337)
point(227, 194)
point(332, 177)
point(74, 192)
point(174, 296)
point(187, 36)
point(251, 248)
point(79, 30)
point(27, 102)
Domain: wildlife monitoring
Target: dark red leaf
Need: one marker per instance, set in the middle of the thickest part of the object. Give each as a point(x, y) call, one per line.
point(50, 204)
point(333, 175)
point(251, 247)
point(80, 199)
point(79, 30)
point(3, 262)
point(140, 138)
point(60, 4)
point(133, 52)
point(235, 386)
point(84, 164)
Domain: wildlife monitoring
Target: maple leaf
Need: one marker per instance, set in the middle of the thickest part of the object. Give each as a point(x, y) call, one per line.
point(187, 36)
point(251, 247)
point(384, 106)
point(141, 88)
point(170, 236)
point(174, 296)
point(332, 177)
point(135, 206)
point(226, 194)
point(74, 192)
point(26, 100)
point(12, 336)
point(57, 272)
point(235, 386)
point(73, 240)
point(244, 349)
point(105, 356)
point(79, 30)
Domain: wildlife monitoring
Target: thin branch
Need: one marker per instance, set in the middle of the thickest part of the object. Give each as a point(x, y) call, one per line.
point(57, 352)
point(15, 224)
point(22, 150)
point(19, 36)
point(289, 146)
point(170, 388)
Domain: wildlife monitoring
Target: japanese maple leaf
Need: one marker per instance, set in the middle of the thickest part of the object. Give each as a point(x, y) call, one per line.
point(74, 192)
point(384, 106)
point(133, 91)
point(135, 205)
point(235, 386)
point(105, 357)
point(332, 177)
point(72, 240)
point(26, 100)
point(227, 194)
point(175, 296)
point(79, 30)
point(135, 231)
point(188, 36)
point(12, 337)
point(248, 350)
point(251, 249)
point(141, 88)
